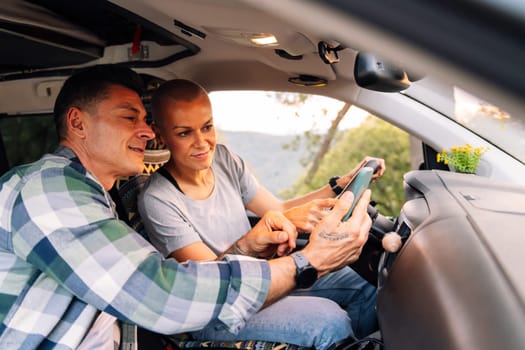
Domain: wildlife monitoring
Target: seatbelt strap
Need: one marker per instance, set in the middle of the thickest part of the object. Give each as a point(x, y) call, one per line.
point(129, 337)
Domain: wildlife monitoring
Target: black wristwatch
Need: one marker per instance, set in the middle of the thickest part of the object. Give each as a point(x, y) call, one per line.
point(335, 187)
point(306, 274)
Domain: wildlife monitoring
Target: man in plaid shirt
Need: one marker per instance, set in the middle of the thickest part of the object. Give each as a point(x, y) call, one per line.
point(69, 269)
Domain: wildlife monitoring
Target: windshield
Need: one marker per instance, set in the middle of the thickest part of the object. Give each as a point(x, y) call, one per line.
point(490, 122)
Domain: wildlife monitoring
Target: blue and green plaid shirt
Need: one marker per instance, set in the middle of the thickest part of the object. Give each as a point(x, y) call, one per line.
point(64, 256)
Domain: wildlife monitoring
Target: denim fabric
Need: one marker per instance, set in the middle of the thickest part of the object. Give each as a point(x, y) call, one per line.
point(353, 294)
point(300, 320)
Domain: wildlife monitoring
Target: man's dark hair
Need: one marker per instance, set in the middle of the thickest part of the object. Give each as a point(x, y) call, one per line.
point(88, 87)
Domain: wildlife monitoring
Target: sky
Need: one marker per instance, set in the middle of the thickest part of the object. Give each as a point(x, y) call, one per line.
point(259, 112)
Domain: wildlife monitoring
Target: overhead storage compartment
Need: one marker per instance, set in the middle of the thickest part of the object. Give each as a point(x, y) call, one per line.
point(48, 35)
point(34, 37)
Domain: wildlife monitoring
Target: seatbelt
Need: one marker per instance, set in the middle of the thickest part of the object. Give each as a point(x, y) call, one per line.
point(129, 337)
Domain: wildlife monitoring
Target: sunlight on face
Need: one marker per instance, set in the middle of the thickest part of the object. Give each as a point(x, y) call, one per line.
point(117, 133)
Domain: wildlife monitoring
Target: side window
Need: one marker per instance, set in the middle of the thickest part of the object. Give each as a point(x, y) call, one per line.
point(26, 138)
point(294, 142)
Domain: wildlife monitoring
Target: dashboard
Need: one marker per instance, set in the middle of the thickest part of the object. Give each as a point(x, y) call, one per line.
point(457, 283)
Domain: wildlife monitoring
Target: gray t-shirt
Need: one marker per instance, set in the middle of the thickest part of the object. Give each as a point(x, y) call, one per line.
point(173, 221)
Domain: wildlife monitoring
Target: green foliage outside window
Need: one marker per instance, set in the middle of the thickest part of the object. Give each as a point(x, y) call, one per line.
point(374, 138)
point(27, 138)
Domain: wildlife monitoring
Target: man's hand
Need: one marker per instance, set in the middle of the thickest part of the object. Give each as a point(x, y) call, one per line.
point(334, 244)
point(305, 217)
point(273, 234)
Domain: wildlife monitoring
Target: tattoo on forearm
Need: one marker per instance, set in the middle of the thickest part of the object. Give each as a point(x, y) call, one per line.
point(333, 236)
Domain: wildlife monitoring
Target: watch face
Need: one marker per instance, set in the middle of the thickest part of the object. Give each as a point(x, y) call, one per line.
point(307, 277)
point(306, 274)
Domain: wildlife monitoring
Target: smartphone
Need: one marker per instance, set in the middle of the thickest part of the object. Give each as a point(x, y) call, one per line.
point(358, 185)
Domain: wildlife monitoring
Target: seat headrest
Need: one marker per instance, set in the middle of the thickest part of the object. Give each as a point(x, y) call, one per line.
point(154, 159)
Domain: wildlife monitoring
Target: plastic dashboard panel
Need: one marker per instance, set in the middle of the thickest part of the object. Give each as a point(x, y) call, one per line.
point(459, 281)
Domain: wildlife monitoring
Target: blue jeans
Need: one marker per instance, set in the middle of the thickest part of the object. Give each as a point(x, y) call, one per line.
point(336, 307)
point(352, 293)
point(300, 320)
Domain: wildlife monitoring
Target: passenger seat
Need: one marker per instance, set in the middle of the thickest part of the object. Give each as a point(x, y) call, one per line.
point(124, 194)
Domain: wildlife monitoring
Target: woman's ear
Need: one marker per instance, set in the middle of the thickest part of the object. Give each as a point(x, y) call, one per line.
point(75, 122)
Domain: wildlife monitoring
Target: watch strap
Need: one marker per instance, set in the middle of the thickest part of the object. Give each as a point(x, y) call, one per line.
point(300, 260)
point(335, 187)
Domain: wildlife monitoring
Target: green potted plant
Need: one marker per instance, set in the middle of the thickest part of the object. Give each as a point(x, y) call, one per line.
point(462, 159)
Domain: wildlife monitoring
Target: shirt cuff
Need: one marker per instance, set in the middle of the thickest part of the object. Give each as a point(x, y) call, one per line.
point(249, 287)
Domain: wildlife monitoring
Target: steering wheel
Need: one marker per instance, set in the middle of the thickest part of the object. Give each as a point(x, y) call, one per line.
point(367, 264)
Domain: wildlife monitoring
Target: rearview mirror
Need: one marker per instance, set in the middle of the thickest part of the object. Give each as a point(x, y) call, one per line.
point(373, 73)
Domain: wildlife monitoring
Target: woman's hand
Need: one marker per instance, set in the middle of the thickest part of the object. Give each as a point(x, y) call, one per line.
point(345, 179)
point(305, 217)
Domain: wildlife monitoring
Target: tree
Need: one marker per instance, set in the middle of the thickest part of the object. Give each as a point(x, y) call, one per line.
point(325, 145)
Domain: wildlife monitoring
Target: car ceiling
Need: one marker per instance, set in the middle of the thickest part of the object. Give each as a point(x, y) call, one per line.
point(228, 61)
point(224, 59)
point(477, 45)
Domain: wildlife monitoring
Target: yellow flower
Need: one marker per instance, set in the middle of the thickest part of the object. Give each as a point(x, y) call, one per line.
point(465, 158)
